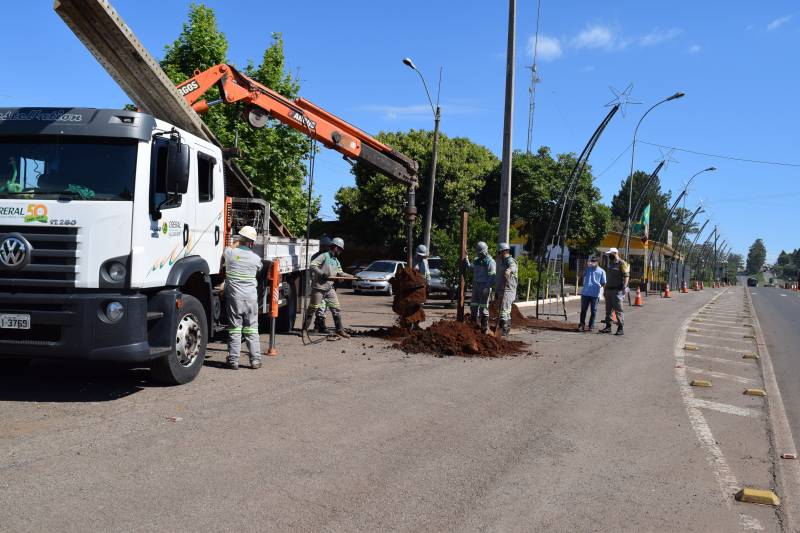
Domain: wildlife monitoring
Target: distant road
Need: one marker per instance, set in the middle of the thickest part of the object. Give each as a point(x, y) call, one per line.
point(778, 311)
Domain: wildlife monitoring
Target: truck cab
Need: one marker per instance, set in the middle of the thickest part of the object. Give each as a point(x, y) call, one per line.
point(111, 231)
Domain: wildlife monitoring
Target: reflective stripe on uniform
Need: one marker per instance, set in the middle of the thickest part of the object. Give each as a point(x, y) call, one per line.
point(234, 330)
point(248, 331)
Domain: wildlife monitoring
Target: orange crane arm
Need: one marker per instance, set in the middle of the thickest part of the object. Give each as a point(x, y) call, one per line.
point(262, 103)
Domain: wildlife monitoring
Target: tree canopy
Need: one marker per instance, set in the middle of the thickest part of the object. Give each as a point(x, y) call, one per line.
point(273, 157)
point(373, 210)
point(756, 257)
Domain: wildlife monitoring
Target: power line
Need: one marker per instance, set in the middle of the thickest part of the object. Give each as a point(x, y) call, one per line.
point(614, 162)
point(718, 156)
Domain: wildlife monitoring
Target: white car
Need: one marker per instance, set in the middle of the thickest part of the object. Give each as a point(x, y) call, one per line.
point(376, 277)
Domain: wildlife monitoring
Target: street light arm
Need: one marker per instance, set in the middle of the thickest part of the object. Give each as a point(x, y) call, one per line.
point(427, 93)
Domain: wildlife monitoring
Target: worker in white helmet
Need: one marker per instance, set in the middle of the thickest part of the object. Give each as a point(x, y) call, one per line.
point(507, 279)
point(483, 278)
point(323, 294)
point(319, 321)
point(421, 263)
point(241, 297)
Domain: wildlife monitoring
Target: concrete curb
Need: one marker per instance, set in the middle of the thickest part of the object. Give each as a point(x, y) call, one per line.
point(786, 472)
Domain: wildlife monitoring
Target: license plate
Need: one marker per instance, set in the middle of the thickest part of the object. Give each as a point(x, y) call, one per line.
point(15, 321)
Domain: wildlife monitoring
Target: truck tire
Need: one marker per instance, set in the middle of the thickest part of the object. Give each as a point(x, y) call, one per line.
point(284, 323)
point(191, 336)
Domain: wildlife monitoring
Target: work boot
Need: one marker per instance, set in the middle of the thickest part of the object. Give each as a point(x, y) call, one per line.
point(484, 324)
point(337, 321)
point(320, 325)
point(619, 331)
point(606, 329)
point(581, 328)
point(505, 328)
point(255, 364)
point(233, 365)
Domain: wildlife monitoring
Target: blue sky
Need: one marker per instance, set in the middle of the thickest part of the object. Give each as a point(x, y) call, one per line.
point(736, 61)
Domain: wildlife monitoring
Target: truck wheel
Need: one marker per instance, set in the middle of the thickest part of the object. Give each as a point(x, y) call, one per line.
point(287, 314)
point(191, 335)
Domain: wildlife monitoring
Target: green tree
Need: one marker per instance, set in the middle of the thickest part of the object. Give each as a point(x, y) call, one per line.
point(274, 157)
point(756, 257)
point(658, 200)
point(735, 264)
point(373, 210)
point(537, 183)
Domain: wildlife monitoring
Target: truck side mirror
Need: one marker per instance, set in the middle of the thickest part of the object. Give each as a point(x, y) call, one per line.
point(178, 168)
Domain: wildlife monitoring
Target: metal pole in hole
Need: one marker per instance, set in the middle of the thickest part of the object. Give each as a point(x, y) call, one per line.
point(463, 257)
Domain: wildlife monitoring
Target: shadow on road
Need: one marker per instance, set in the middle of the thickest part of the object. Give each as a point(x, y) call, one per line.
point(73, 381)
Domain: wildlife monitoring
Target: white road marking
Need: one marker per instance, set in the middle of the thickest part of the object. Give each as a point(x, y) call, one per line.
point(722, 335)
point(717, 359)
point(718, 325)
point(727, 481)
point(783, 295)
point(724, 408)
point(720, 375)
point(724, 348)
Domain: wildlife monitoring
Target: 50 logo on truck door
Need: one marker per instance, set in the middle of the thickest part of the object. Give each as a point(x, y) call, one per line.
point(188, 88)
point(36, 213)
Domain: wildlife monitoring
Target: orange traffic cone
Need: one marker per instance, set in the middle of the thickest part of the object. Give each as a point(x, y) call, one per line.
point(702, 287)
point(667, 294)
point(684, 288)
point(638, 301)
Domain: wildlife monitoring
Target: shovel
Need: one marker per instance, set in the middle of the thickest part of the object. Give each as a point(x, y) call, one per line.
point(492, 331)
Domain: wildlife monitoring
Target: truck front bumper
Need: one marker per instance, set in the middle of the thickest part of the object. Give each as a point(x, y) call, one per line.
point(75, 326)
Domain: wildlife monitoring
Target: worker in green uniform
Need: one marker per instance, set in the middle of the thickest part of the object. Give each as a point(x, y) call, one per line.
point(323, 268)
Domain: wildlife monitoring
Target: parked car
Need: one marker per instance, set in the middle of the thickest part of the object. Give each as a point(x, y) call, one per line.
point(437, 283)
point(752, 282)
point(353, 269)
point(376, 277)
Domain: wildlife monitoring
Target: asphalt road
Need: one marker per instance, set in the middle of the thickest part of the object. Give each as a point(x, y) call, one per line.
point(779, 314)
point(588, 432)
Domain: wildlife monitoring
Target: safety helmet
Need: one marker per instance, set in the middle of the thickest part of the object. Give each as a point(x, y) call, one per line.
point(248, 232)
point(422, 250)
point(339, 243)
point(503, 246)
point(324, 241)
point(482, 247)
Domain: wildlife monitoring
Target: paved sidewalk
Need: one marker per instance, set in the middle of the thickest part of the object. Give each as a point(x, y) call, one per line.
point(589, 433)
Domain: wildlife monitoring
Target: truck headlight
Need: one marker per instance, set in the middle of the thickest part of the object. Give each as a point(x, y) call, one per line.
point(114, 311)
point(117, 272)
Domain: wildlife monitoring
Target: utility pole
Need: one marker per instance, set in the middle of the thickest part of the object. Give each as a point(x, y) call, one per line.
point(716, 236)
point(505, 173)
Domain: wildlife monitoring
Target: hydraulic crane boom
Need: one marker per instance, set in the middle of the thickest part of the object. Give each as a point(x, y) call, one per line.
point(262, 103)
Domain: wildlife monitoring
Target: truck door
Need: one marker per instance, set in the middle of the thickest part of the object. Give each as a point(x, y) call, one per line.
point(172, 215)
point(207, 232)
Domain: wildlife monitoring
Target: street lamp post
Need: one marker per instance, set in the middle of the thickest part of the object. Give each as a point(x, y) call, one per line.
point(630, 178)
point(437, 115)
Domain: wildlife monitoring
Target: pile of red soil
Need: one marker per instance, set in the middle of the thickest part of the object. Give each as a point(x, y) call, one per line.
point(409, 295)
point(450, 337)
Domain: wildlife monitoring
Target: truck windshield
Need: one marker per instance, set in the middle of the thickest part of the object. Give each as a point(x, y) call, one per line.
point(56, 167)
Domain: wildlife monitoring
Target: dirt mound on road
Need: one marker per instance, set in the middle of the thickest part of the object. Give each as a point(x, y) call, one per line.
point(409, 295)
point(519, 320)
point(450, 337)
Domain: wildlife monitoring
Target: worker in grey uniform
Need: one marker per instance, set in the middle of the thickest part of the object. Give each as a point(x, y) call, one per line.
point(319, 320)
point(241, 297)
point(507, 280)
point(324, 267)
point(421, 263)
point(483, 278)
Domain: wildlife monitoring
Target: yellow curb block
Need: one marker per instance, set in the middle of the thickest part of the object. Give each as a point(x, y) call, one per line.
point(693, 330)
point(749, 336)
point(764, 497)
point(750, 356)
point(755, 392)
point(690, 347)
point(700, 383)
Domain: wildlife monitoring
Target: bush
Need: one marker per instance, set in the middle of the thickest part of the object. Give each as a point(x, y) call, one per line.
point(528, 270)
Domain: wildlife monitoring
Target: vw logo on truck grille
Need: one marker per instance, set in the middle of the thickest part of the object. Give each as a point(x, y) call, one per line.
point(15, 252)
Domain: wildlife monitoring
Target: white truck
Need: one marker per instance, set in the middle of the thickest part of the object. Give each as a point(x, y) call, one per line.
point(112, 227)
